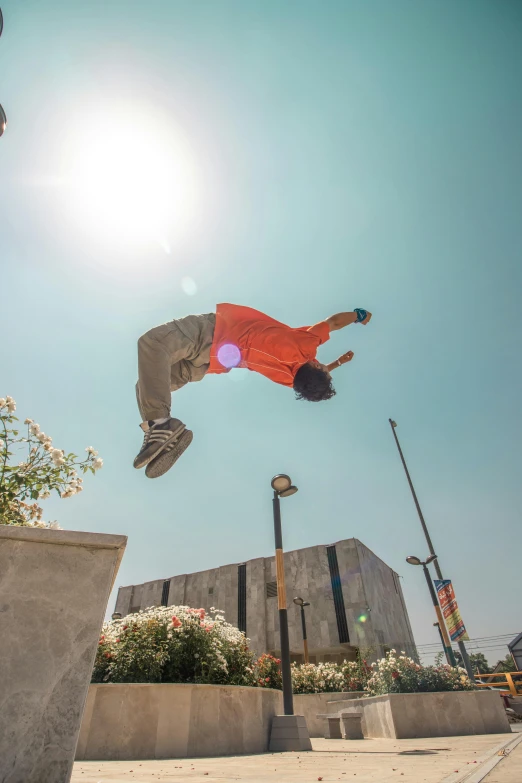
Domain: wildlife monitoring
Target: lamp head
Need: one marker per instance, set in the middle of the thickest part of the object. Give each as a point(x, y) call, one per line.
point(430, 559)
point(281, 482)
point(287, 492)
point(412, 560)
point(298, 601)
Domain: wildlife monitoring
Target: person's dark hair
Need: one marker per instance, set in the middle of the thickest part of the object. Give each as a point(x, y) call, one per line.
point(313, 384)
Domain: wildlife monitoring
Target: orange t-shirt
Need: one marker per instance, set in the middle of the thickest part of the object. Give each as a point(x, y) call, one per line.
point(244, 337)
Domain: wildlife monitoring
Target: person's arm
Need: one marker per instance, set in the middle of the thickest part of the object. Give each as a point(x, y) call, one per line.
point(346, 357)
point(340, 320)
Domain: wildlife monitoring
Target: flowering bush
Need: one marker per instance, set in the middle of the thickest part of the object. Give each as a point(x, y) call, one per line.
point(173, 644)
point(330, 677)
point(400, 674)
point(267, 672)
point(43, 469)
point(317, 678)
point(179, 644)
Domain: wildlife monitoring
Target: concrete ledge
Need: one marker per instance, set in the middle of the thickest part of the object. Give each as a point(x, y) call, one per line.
point(54, 588)
point(170, 720)
point(161, 721)
point(448, 714)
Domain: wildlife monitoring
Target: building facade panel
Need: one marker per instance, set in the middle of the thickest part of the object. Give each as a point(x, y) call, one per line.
point(355, 599)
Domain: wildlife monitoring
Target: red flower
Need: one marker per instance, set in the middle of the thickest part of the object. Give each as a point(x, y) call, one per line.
point(125, 627)
point(117, 640)
point(108, 655)
point(102, 637)
point(395, 675)
point(267, 679)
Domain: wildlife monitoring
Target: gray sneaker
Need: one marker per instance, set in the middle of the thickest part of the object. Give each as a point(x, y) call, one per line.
point(156, 439)
point(166, 459)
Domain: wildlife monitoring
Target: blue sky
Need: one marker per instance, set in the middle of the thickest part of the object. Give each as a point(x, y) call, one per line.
point(318, 157)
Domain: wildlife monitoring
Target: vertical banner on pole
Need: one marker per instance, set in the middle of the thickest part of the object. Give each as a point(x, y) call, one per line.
point(450, 610)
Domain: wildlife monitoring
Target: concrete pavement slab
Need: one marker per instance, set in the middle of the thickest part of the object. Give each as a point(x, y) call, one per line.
point(365, 761)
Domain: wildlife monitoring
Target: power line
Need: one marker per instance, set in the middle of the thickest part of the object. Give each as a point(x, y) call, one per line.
point(501, 637)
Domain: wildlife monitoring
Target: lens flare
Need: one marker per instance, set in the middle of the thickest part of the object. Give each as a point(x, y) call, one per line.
point(362, 618)
point(229, 355)
point(189, 286)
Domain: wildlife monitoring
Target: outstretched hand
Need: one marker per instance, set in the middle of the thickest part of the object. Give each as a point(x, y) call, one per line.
point(367, 319)
point(346, 357)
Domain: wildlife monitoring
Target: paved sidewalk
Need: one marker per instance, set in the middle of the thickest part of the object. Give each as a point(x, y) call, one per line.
point(509, 770)
point(368, 761)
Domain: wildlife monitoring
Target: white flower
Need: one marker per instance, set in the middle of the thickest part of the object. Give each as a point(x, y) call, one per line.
point(11, 407)
point(54, 525)
point(2, 402)
point(98, 463)
point(34, 428)
point(68, 493)
point(45, 494)
point(42, 437)
point(1, 444)
point(90, 450)
point(9, 400)
point(79, 488)
point(59, 461)
point(28, 421)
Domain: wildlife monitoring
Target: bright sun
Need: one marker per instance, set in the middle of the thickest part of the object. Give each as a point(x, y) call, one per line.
point(130, 180)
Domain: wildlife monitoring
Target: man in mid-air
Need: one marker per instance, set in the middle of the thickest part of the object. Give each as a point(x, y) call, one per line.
point(172, 355)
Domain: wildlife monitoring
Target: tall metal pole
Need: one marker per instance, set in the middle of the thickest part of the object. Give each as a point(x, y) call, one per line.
point(286, 672)
point(442, 625)
point(305, 640)
point(462, 646)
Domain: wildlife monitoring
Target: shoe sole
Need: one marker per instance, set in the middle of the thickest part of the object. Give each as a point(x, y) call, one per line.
point(164, 461)
point(175, 435)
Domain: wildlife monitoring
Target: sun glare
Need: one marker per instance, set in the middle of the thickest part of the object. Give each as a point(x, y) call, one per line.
point(130, 180)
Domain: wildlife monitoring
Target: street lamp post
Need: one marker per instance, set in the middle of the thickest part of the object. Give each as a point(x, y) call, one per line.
point(299, 602)
point(412, 560)
point(283, 487)
point(462, 646)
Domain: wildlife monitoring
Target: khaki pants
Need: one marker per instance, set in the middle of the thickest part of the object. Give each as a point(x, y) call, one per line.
point(170, 356)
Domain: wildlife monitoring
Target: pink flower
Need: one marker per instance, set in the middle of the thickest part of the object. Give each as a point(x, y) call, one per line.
point(176, 622)
point(201, 613)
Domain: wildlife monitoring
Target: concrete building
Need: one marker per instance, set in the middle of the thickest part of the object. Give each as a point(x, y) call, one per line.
point(355, 599)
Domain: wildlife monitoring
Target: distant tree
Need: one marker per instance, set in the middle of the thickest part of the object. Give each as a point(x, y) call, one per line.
point(479, 662)
point(507, 664)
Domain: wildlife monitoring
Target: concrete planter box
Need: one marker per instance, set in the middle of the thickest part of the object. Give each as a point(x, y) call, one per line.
point(142, 721)
point(409, 715)
point(130, 721)
point(54, 588)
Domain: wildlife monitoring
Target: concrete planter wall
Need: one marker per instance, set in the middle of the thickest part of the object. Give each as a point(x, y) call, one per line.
point(408, 715)
point(142, 721)
point(54, 588)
